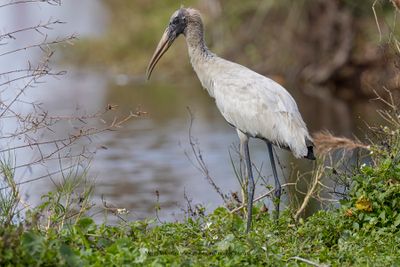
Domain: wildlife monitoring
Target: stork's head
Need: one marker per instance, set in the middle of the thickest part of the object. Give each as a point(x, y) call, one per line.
point(178, 24)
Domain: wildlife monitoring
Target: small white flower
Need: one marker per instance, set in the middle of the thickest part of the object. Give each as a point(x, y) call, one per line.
point(208, 224)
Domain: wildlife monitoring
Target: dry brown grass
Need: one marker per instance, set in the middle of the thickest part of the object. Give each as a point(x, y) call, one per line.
point(396, 4)
point(325, 143)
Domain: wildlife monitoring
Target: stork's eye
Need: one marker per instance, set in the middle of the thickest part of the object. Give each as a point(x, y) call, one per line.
point(175, 21)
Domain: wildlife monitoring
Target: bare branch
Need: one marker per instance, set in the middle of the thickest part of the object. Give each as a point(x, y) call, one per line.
point(200, 165)
point(50, 2)
point(47, 26)
point(42, 45)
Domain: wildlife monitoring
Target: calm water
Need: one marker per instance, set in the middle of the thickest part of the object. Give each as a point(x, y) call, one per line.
point(149, 153)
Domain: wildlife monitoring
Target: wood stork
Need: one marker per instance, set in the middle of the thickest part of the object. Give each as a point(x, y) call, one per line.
point(255, 105)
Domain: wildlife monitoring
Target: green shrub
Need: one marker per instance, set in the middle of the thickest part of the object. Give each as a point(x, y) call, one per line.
point(374, 199)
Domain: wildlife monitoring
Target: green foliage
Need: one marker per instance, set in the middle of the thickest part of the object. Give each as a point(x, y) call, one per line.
point(218, 239)
point(9, 195)
point(374, 199)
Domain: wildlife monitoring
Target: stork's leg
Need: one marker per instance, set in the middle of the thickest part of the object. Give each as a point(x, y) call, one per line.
point(278, 188)
point(244, 147)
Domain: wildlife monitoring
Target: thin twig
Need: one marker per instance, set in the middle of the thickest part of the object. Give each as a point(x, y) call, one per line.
point(41, 45)
point(376, 20)
point(36, 28)
point(201, 165)
point(317, 175)
point(50, 2)
point(40, 177)
point(260, 197)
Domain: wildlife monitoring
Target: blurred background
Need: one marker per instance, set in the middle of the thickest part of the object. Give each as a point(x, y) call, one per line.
point(331, 55)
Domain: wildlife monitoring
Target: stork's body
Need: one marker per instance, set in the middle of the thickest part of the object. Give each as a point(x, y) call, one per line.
point(255, 105)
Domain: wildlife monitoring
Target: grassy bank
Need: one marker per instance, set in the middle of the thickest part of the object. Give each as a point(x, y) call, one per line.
point(327, 237)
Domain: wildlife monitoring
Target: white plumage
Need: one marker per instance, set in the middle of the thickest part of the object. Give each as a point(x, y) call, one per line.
point(255, 105)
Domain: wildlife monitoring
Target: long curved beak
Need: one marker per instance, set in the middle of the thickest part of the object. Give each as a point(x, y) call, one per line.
point(166, 41)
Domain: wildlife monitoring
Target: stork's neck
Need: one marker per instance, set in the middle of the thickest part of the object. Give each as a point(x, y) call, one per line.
point(200, 56)
point(195, 40)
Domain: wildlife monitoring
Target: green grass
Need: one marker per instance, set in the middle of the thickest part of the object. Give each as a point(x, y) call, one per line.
point(214, 240)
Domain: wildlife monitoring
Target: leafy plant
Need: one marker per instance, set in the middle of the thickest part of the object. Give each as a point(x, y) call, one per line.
point(374, 198)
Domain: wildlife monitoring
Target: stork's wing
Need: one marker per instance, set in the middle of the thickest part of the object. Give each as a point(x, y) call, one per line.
point(260, 107)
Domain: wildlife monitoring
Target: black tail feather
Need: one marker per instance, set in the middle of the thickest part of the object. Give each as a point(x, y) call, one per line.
point(310, 153)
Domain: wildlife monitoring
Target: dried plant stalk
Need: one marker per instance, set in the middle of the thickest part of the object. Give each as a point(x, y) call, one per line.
point(396, 4)
point(325, 142)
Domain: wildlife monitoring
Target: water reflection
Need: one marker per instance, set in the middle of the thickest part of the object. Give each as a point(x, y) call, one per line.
point(149, 153)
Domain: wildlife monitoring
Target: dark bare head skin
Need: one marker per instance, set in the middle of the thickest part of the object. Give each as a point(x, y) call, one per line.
point(186, 21)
